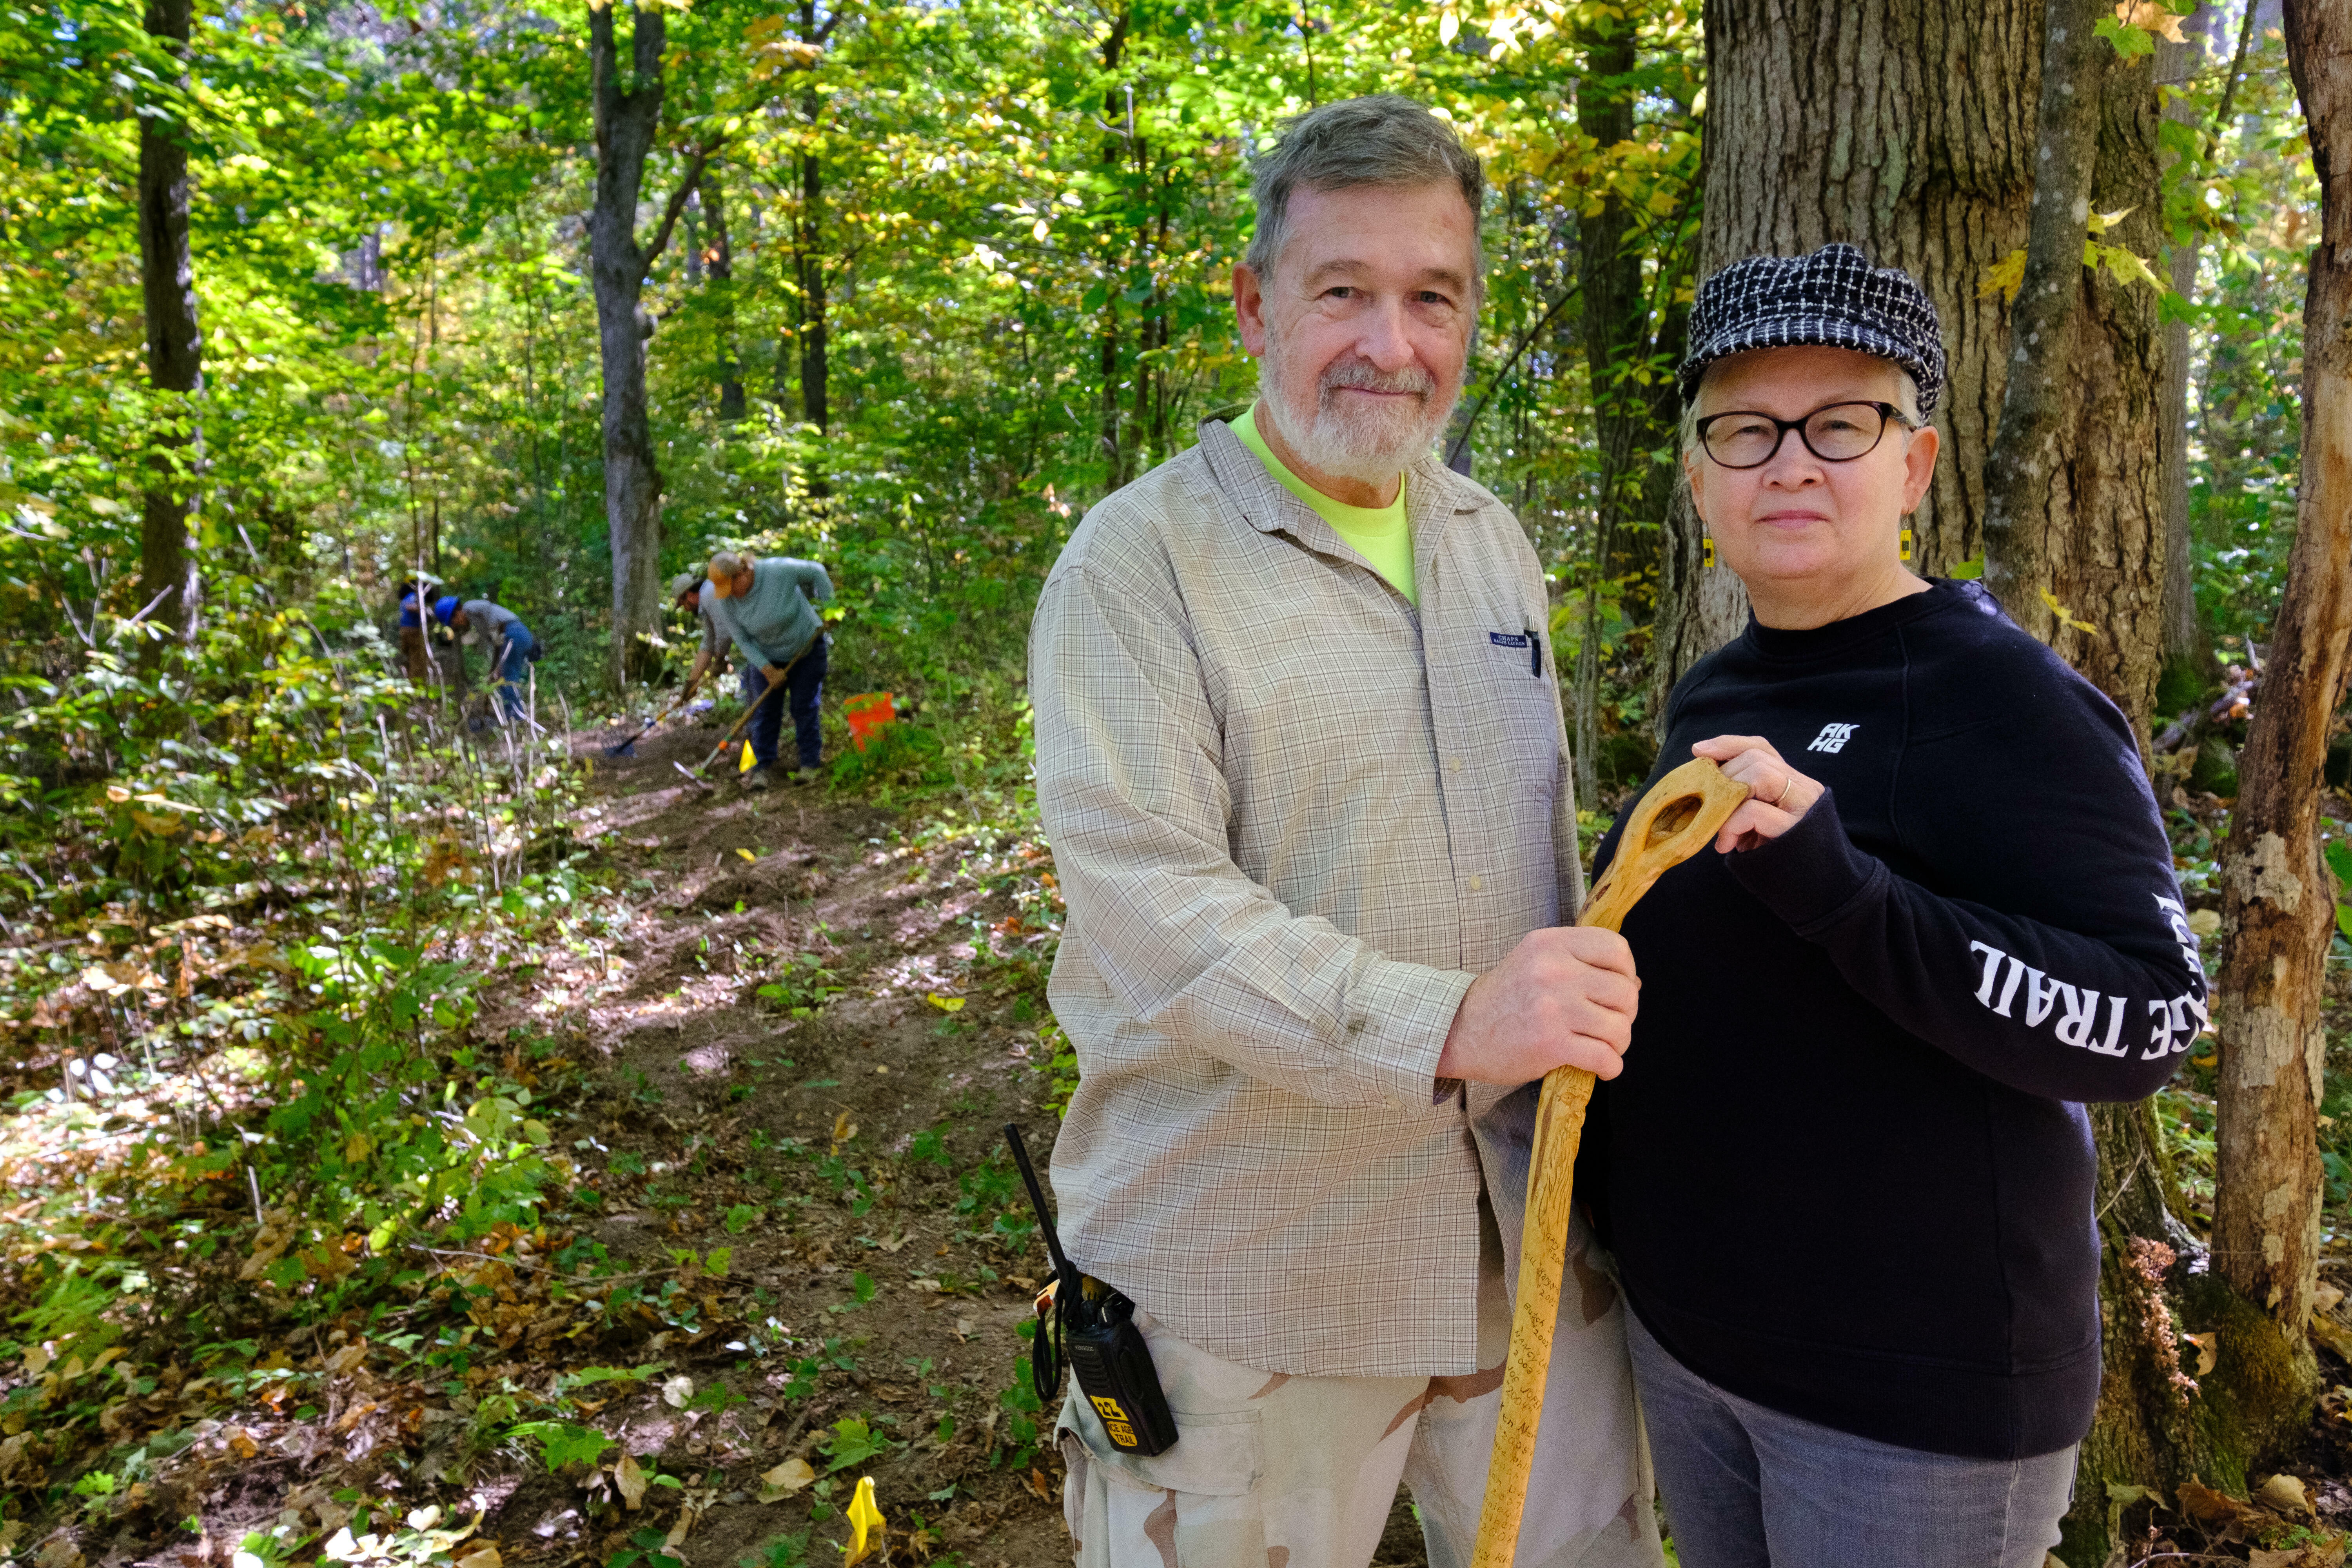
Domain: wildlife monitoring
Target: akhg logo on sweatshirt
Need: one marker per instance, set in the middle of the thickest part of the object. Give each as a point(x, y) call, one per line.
point(1832, 738)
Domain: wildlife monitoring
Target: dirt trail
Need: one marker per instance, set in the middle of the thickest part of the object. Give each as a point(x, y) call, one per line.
point(692, 1053)
point(848, 1158)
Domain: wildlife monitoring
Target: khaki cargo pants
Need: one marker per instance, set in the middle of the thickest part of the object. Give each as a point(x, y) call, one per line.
point(1276, 1472)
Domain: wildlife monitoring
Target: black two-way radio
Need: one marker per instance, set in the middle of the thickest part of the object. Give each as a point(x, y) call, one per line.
point(1094, 1333)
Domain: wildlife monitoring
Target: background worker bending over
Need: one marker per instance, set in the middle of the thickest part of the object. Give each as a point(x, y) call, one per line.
point(692, 594)
point(768, 609)
point(508, 641)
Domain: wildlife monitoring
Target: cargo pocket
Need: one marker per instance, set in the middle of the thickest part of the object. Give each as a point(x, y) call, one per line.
point(1216, 1454)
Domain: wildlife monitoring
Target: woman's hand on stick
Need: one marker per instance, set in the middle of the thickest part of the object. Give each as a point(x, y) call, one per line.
point(1780, 796)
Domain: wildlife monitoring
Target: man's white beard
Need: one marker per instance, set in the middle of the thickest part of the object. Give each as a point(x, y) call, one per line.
point(1373, 443)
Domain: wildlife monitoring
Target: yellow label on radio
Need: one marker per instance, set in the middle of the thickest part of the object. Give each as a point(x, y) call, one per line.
point(1121, 1434)
point(1106, 1408)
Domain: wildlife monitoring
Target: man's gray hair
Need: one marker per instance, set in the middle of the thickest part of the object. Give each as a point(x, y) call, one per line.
point(1380, 140)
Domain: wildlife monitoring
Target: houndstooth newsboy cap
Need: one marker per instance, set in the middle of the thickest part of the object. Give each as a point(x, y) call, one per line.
point(1833, 298)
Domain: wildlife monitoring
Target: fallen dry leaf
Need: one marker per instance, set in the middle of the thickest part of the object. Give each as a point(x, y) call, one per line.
point(631, 1481)
point(965, 1328)
point(348, 1357)
point(676, 1392)
point(1038, 1484)
point(2285, 1493)
point(791, 1476)
point(2208, 1348)
point(483, 1555)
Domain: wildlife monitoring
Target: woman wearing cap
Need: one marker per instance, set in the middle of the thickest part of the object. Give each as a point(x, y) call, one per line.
point(1847, 1172)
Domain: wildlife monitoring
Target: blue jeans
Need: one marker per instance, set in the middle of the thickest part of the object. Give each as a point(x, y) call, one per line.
point(805, 692)
point(1746, 1487)
point(512, 675)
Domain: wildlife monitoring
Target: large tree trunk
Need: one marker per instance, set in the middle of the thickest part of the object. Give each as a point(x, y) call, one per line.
point(1634, 414)
point(168, 579)
point(628, 113)
point(2277, 912)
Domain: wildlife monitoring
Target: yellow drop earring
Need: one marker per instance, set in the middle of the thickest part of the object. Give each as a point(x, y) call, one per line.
point(1706, 550)
point(1907, 544)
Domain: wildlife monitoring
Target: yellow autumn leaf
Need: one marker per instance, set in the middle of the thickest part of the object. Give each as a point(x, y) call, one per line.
point(2150, 16)
point(843, 1128)
point(867, 1528)
point(631, 1480)
point(945, 1003)
point(748, 854)
point(2066, 616)
point(2005, 277)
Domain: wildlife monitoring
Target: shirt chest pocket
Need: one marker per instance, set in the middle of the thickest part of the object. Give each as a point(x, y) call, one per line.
point(1523, 712)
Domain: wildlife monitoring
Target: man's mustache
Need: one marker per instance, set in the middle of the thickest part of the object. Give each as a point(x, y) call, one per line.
point(1365, 376)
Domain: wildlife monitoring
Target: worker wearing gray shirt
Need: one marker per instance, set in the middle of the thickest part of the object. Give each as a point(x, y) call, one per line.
point(768, 608)
point(507, 641)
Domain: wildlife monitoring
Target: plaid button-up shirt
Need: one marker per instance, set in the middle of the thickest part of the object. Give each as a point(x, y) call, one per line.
point(1292, 819)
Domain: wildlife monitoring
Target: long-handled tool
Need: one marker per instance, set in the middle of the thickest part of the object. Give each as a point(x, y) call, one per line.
point(774, 686)
point(1672, 822)
point(628, 747)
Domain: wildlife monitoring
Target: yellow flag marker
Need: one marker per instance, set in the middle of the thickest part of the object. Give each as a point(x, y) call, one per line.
point(748, 761)
point(867, 1530)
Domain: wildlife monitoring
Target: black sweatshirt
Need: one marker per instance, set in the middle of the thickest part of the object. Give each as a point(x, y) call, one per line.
point(1844, 1170)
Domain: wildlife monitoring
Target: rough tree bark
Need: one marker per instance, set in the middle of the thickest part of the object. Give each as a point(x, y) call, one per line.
point(628, 104)
point(168, 582)
point(2278, 912)
point(1631, 419)
point(719, 259)
point(1906, 127)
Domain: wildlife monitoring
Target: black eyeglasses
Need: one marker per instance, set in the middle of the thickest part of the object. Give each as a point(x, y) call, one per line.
point(1835, 433)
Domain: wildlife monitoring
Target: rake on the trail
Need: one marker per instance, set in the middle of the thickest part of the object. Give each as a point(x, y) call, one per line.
point(1671, 823)
point(628, 748)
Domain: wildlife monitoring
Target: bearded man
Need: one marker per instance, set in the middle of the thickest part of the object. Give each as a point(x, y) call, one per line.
point(1300, 754)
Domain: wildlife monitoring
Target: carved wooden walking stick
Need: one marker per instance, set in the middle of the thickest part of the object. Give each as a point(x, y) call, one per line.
point(1672, 822)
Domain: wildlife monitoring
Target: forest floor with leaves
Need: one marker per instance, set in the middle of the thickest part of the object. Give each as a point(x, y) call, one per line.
point(782, 1247)
point(628, 1207)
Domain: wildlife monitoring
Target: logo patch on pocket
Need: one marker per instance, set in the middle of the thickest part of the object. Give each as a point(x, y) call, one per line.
point(1507, 639)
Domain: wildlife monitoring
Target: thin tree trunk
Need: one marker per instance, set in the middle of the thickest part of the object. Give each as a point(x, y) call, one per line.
point(1116, 469)
point(628, 113)
point(720, 262)
point(2184, 634)
point(1633, 414)
point(167, 563)
point(2032, 442)
point(2277, 909)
